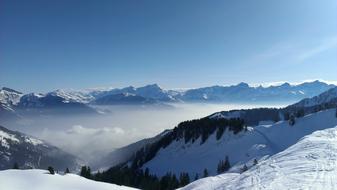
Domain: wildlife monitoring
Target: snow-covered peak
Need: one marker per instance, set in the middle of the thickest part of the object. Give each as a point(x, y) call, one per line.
point(9, 96)
point(72, 96)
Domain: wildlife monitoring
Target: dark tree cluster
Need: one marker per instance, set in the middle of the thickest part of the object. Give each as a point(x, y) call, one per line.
point(51, 170)
point(86, 172)
point(223, 166)
point(123, 175)
point(254, 116)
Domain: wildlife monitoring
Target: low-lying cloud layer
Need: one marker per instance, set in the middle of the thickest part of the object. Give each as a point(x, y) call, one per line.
point(92, 136)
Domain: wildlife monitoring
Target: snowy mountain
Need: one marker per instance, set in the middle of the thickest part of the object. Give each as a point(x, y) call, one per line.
point(42, 180)
point(152, 91)
point(73, 96)
point(308, 164)
point(30, 152)
point(9, 98)
point(123, 99)
point(325, 97)
point(254, 143)
point(54, 102)
point(245, 93)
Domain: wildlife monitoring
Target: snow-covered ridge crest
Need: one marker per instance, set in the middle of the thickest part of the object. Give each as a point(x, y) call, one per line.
point(311, 163)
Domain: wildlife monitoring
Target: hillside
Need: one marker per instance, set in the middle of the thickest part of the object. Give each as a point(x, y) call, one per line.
point(308, 164)
point(30, 152)
point(255, 143)
point(42, 180)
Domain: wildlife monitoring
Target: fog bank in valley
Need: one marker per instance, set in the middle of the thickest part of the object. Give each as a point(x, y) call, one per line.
point(91, 136)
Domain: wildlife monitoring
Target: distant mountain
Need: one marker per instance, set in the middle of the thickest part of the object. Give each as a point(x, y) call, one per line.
point(123, 99)
point(308, 164)
point(152, 91)
point(9, 98)
point(73, 96)
point(325, 97)
point(51, 103)
point(30, 152)
point(241, 92)
point(79, 101)
point(244, 93)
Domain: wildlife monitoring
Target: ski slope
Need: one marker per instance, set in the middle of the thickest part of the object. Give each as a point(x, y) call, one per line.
point(256, 143)
point(311, 163)
point(42, 180)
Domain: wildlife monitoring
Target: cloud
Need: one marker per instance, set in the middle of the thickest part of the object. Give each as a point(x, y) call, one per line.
point(293, 52)
point(323, 46)
point(80, 130)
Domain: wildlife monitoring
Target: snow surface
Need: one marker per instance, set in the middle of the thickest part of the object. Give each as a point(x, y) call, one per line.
point(311, 163)
point(42, 180)
point(256, 143)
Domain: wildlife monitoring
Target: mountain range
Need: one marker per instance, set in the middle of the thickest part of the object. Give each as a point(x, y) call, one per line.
point(61, 101)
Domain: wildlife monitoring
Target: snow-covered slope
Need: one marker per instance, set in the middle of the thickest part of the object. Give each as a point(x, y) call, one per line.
point(123, 154)
point(30, 152)
point(54, 102)
point(42, 180)
point(311, 163)
point(8, 99)
point(241, 148)
point(73, 96)
point(325, 97)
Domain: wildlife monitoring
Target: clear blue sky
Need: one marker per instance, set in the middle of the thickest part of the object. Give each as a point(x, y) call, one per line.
point(50, 44)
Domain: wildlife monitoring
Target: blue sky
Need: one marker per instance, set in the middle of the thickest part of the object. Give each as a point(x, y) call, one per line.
point(51, 44)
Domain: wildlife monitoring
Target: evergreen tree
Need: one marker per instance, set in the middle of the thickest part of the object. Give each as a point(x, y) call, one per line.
point(196, 177)
point(286, 116)
point(219, 168)
point(244, 168)
point(292, 120)
point(86, 172)
point(184, 179)
point(219, 133)
point(51, 170)
point(67, 171)
point(16, 166)
point(205, 172)
point(147, 172)
point(226, 164)
point(223, 166)
point(300, 113)
point(255, 162)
